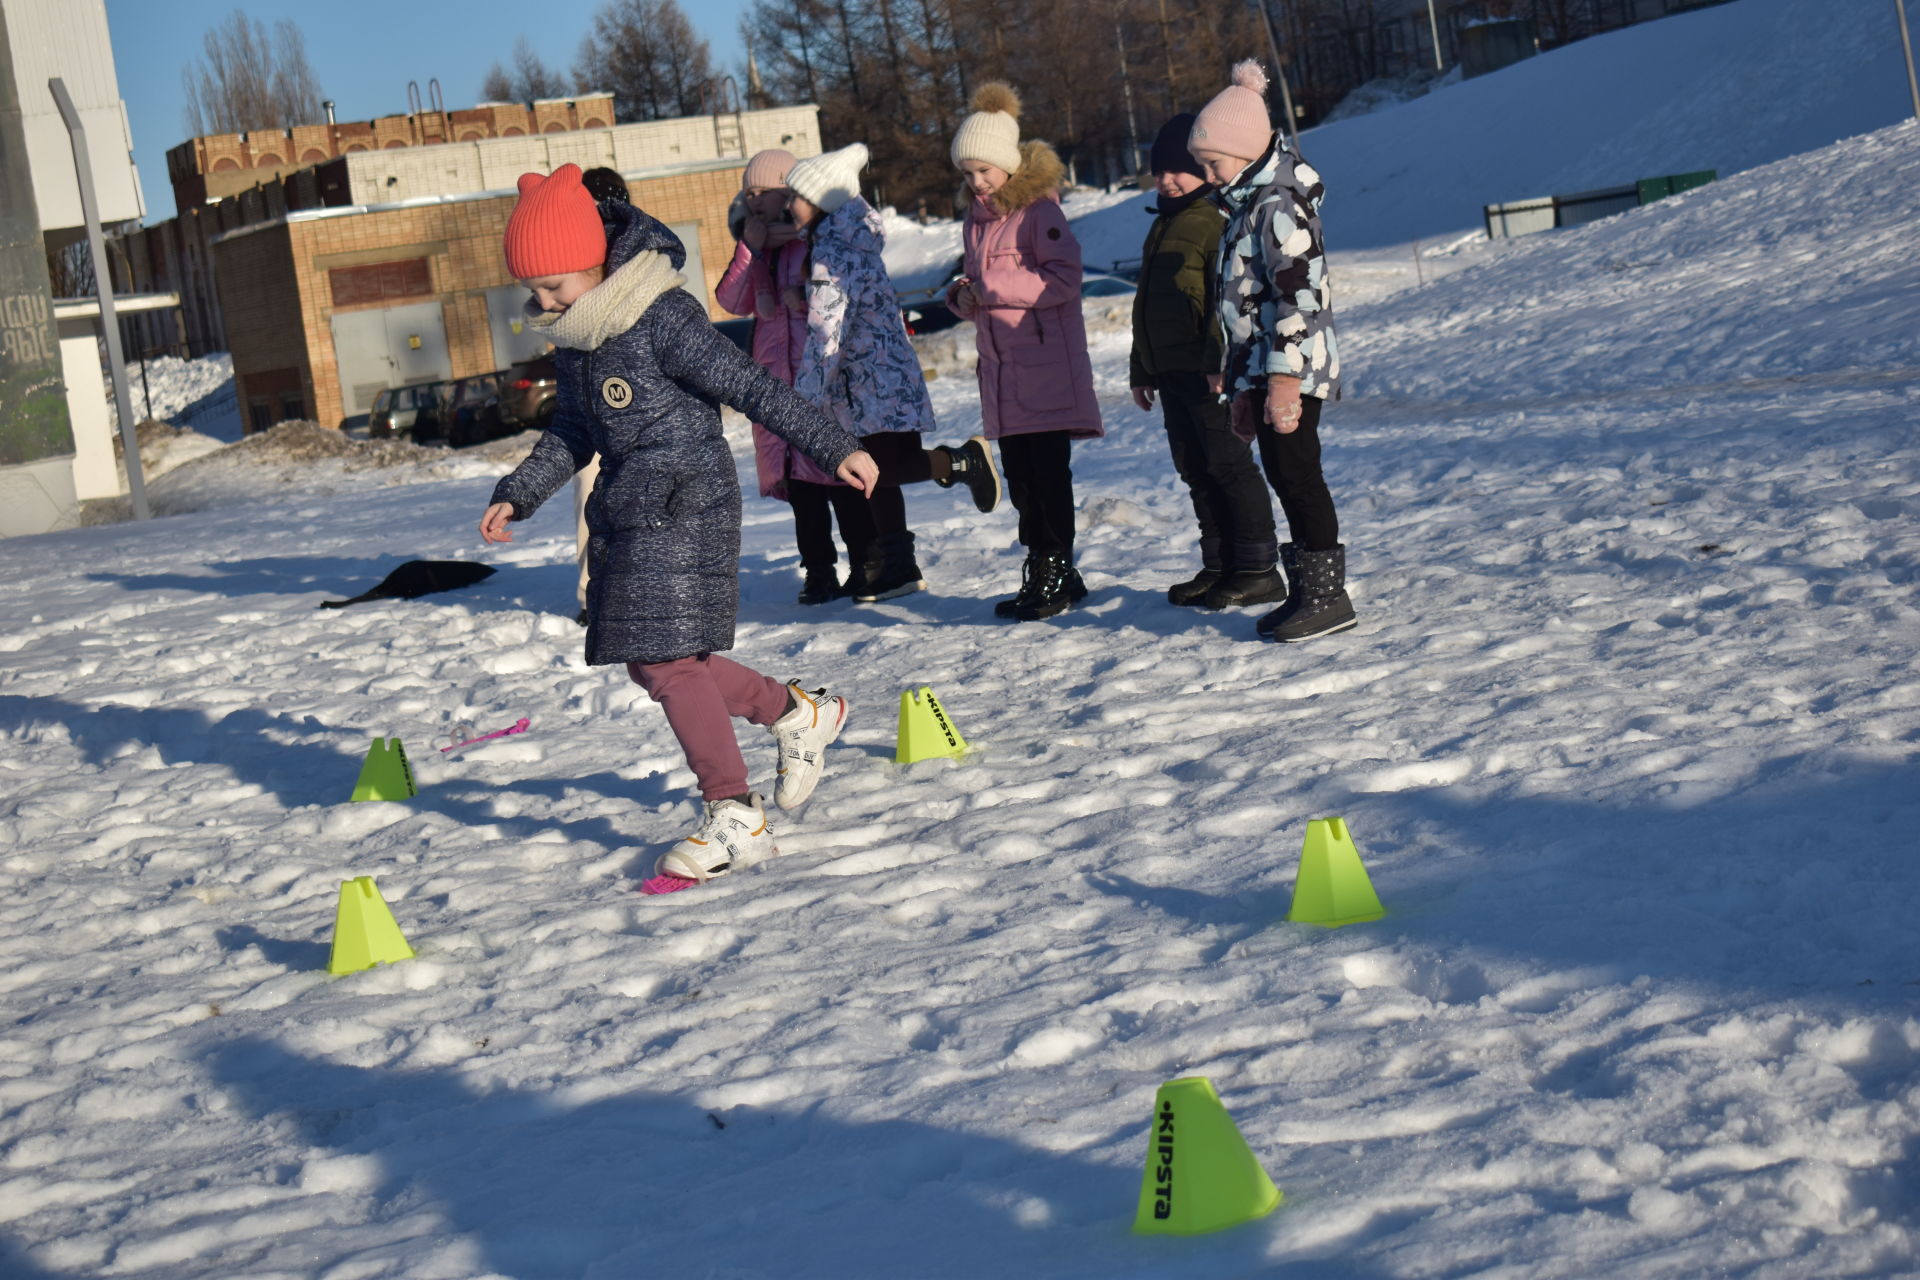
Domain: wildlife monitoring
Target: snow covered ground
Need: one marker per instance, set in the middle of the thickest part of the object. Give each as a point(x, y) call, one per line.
point(1626, 736)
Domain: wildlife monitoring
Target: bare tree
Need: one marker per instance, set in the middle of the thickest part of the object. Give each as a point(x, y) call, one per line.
point(250, 77)
point(529, 79)
point(648, 54)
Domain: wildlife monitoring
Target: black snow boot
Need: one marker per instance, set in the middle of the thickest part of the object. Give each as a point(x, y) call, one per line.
point(1290, 563)
point(972, 465)
point(1054, 586)
point(1321, 606)
point(1252, 580)
point(1194, 590)
point(891, 569)
point(821, 585)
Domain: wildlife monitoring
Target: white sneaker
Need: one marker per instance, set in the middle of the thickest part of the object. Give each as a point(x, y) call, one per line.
point(803, 734)
point(734, 835)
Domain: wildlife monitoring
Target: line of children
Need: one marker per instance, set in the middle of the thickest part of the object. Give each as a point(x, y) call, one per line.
point(1233, 331)
point(808, 267)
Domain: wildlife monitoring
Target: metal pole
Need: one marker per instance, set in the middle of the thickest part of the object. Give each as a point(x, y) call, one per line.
point(1906, 45)
point(103, 290)
point(1433, 24)
point(1280, 74)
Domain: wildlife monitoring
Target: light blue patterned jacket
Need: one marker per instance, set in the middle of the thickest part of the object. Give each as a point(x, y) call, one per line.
point(1276, 304)
point(858, 364)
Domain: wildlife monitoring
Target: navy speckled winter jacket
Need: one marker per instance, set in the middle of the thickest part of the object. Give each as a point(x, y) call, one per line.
point(641, 377)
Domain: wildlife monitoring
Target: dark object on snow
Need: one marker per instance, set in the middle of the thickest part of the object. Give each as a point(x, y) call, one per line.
point(419, 578)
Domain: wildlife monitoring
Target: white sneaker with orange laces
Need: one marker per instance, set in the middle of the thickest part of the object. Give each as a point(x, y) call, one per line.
point(803, 735)
point(733, 835)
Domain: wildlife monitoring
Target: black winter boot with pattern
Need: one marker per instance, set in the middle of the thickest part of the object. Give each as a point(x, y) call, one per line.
point(971, 464)
point(820, 585)
point(1290, 565)
point(1321, 606)
point(1053, 587)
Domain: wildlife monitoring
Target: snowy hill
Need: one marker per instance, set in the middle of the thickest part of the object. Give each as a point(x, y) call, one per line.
point(1626, 736)
point(1727, 88)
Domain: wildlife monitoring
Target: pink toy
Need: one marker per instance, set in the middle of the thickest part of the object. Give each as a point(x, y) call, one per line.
point(666, 884)
point(462, 735)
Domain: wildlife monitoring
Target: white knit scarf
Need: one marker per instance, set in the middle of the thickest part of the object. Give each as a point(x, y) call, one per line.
point(611, 307)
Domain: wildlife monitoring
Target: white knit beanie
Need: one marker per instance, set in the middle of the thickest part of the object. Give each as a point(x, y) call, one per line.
point(992, 133)
point(830, 180)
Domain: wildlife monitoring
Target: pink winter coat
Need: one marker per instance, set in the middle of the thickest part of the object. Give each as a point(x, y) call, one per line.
point(1035, 374)
point(752, 286)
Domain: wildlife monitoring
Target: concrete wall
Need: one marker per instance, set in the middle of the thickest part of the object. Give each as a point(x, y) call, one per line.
point(68, 38)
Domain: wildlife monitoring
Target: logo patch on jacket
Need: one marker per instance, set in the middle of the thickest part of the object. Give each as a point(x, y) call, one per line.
point(617, 392)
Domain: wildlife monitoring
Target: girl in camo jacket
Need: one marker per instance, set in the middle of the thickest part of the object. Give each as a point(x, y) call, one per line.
point(1282, 361)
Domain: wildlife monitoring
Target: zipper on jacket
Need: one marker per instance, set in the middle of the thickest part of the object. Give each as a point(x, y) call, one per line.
point(1040, 326)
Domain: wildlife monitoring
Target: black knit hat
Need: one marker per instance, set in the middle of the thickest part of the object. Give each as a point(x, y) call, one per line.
point(1170, 154)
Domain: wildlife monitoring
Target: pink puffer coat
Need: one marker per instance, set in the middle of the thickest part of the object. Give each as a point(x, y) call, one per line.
point(752, 286)
point(1035, 374)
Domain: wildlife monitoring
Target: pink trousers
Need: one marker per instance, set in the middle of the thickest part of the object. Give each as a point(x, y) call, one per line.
point(701, 696)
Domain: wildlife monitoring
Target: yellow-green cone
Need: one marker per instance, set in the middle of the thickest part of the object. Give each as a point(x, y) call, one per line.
point(1332, 888)
point(1200, 1175)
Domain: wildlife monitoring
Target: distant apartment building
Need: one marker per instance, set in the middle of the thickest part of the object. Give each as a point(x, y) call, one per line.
point(380, 266)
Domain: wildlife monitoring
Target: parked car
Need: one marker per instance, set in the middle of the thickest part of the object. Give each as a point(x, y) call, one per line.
point(396, 411)
point(462, 414)
point(525, 399)
point(1098, 284)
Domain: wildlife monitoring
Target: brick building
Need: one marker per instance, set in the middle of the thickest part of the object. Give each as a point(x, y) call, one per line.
point(381, 266)
point(208, 169)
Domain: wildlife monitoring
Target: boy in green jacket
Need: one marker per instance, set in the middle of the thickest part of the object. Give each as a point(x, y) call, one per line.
point(1176, 343)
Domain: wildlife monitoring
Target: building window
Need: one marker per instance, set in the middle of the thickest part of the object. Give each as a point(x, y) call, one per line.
point(259, 414)
point(380, 281)
point(265, 160)
point(292, 405)
point(312, 154)
point(225, 163)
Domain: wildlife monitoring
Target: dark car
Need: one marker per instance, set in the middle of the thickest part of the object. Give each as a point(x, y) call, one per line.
point(463, 412)
point(397, 411)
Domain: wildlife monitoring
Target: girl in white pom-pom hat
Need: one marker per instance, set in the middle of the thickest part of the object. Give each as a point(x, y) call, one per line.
point(1282, 362)
point(1021, 288)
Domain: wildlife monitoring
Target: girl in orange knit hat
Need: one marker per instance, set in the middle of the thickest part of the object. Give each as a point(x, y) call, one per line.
point(641, 376)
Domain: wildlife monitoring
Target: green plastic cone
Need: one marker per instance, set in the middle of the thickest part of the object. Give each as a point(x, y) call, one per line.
point(1332, 888)
point(364, 930)
point(1201, 1176)
point(925, 731)
point(385, 775)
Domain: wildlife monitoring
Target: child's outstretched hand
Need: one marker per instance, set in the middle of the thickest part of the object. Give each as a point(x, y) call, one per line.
point(1143, 396)
point(860, 471)
point(493, 525)
point(1283, 404)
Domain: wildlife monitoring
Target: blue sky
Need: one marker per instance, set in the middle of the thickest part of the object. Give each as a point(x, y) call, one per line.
point(364, 52)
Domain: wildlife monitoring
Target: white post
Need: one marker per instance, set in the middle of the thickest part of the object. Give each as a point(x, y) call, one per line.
point(1433, 25)
point(1906, 45)
point(103, 290)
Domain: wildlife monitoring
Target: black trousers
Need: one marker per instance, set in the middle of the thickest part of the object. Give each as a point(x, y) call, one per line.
point(1039, 474)
point(1229, 498)
point(1292, 464)
point(815, 507)
point(901, 459)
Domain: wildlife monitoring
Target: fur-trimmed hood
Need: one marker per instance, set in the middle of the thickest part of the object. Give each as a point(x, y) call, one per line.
point(1040, 176)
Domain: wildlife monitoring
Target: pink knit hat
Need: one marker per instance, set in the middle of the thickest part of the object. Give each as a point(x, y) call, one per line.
point(1235, 123)
point(555, 228)
point(768, 169)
